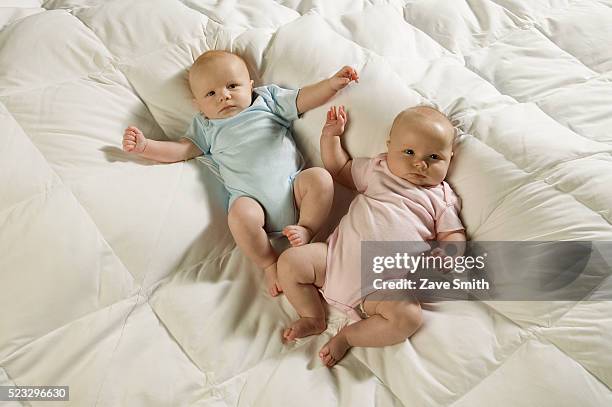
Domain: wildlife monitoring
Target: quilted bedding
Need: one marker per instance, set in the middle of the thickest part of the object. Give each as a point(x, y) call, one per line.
point(120, 279)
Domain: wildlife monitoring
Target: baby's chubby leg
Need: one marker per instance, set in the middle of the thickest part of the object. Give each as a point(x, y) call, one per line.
point(313, 189)
point(246, 221)
point(390, 322)
point(301, 270)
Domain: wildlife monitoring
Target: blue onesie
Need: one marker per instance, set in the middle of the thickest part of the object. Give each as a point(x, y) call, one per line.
point(255, 152)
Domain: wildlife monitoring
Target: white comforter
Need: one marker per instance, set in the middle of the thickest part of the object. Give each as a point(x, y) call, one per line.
point(120, 279)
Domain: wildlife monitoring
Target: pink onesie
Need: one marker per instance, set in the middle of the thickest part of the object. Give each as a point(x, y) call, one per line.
point(388, 208)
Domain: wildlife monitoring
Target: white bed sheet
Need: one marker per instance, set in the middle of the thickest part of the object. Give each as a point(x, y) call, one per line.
point(120, 279)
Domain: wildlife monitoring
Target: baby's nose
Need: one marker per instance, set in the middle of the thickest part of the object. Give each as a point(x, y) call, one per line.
point(225, 94)
point(420, 164)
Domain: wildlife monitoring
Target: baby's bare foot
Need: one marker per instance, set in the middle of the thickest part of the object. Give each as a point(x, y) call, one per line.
point(272, 283)
point(334, 350)
point(304, 327)
point(297, 235)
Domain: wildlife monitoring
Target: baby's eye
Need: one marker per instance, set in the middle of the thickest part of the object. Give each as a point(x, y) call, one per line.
point(409, 151)
point(211, 93)
point(434, 156)
point(232, 86)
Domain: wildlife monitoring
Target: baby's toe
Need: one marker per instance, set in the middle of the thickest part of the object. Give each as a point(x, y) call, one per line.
point(328, 360)
point(287, 333)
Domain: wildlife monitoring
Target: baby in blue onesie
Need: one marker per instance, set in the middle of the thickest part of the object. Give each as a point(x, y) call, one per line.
point(255, 153)
point(246, 132)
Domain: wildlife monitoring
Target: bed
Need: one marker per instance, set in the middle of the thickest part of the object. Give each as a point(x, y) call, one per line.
point(119, 277)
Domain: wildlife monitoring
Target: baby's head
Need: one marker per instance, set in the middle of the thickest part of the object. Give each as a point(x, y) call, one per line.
point(220, 84)
point(420, 145)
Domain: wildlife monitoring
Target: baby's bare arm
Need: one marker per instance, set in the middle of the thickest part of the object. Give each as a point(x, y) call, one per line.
point(135, 142)
point(315, 95)
point(335, 159)
point(456, 238)
point(170, 151)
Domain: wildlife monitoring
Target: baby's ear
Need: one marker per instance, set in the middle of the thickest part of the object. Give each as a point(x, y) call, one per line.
point(252, 82)
point(388, 142)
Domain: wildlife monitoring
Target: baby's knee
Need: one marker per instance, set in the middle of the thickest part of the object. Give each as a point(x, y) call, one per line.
point(407, 318)
point(323, 177)
point(285, 262)
point(245, 213)
point(234, 220)
point(319, 177)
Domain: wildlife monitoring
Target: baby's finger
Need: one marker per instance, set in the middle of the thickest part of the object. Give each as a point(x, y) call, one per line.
point(437, 252)
point(349, 72)
point(136, 132)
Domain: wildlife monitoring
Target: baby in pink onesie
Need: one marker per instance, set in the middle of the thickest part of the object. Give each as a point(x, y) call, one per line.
point(403, 197)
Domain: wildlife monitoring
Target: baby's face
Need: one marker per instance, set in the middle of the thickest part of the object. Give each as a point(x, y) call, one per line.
point(221, 87)
point(420, 149)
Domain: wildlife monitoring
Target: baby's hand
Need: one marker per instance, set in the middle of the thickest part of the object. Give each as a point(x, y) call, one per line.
point(133, 140)
point(441, 253)
point(343, 77)
point(336, 120)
